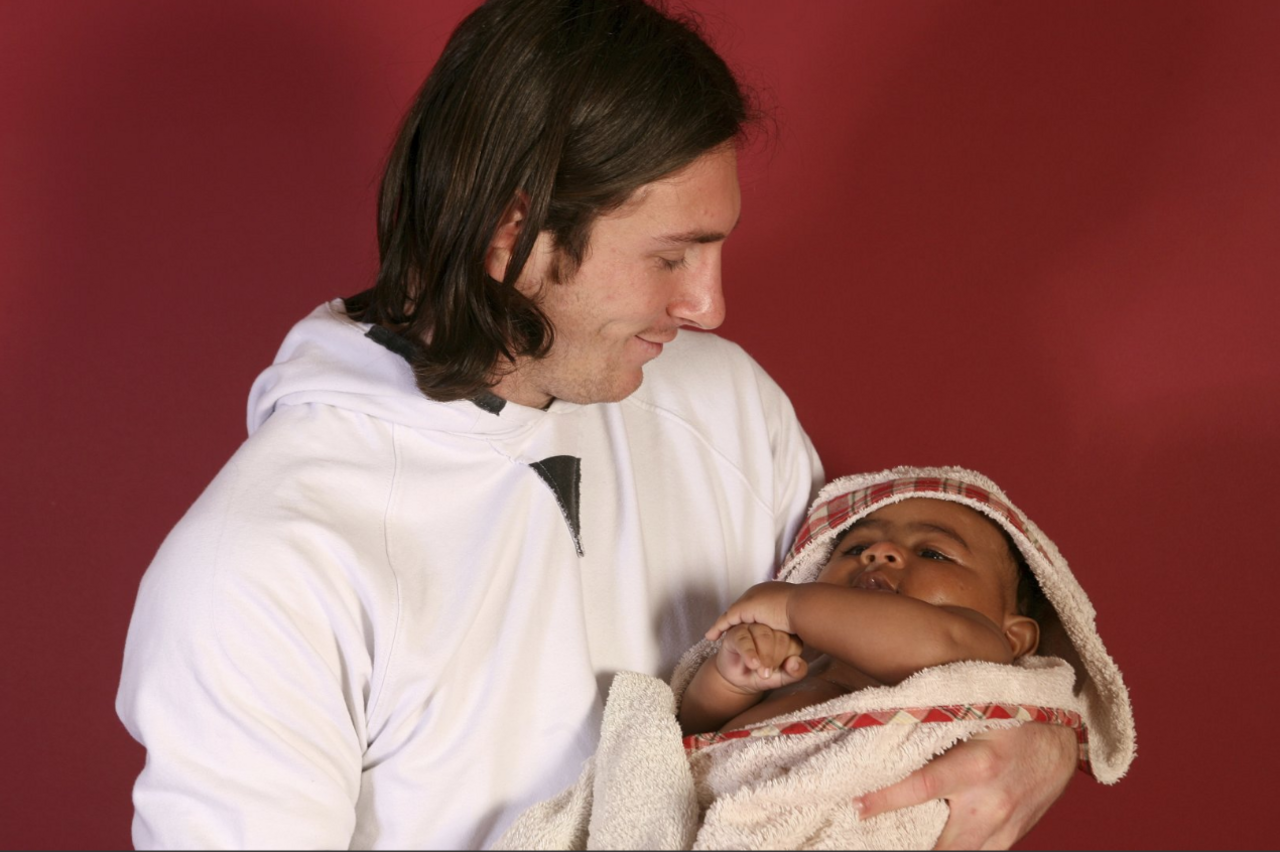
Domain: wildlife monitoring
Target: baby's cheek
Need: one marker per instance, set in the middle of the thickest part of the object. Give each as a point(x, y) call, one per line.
point(929, 590)
point(837, 572)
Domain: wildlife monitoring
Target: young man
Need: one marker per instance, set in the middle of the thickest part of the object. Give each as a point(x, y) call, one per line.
point(472, 493)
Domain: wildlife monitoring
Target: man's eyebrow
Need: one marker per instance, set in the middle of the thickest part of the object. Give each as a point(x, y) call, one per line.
point(696, 236)
point(693, 237)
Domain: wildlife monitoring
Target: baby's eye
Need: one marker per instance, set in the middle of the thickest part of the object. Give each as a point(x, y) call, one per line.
point(937, 556)
point(855, 550)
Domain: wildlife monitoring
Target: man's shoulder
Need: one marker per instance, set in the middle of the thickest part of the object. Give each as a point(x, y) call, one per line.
point(288, 508)
point(316, 465)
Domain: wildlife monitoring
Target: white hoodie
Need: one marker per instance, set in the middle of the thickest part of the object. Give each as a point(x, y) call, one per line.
point(390, 622)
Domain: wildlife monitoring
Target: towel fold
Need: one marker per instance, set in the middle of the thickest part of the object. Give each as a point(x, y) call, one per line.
point(790, 783)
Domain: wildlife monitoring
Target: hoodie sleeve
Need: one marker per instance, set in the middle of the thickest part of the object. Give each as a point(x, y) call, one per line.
point(247, 670)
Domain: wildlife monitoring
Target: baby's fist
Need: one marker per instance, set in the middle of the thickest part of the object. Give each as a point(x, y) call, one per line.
point(756, 658)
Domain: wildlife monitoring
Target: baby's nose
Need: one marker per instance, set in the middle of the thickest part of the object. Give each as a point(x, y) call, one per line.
point(884, 552)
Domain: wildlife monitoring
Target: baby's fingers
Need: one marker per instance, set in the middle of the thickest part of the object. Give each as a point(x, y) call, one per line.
point(793, 669)
point(783, 645)
point(741, 641)
point(722, 625)
point(771, 647)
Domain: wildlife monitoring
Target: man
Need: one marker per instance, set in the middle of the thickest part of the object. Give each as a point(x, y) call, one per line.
point(473, 493)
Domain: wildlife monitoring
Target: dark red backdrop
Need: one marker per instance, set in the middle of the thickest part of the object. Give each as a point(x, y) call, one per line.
point(1037, 239)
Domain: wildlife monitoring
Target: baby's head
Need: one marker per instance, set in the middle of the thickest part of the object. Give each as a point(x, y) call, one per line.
point(944, 553)
point(1065, 616)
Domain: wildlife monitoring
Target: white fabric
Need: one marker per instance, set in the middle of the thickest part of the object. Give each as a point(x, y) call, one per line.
point(640, 791)
point(373, 628)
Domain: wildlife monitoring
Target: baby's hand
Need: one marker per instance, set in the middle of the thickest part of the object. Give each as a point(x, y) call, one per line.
point(756, 658)
point(763, 603)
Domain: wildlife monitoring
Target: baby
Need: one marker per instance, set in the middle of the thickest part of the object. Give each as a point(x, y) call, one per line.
point(918, 583)
point(917, 608)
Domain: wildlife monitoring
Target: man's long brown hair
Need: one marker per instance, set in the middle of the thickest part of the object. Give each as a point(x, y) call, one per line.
point(575, 104)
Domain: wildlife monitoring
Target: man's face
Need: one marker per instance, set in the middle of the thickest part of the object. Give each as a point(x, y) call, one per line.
point(935, 551)
point(651, 267)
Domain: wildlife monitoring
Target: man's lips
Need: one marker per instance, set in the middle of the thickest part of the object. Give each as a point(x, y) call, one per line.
point(653, 342)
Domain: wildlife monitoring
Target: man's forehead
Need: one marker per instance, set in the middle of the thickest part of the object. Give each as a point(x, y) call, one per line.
point(672, 189)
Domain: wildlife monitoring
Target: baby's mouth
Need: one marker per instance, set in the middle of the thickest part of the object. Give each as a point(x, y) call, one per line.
point(873, 581)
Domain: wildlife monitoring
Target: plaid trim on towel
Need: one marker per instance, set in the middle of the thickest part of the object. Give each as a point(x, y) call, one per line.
point(838, 509)
point(908, 716)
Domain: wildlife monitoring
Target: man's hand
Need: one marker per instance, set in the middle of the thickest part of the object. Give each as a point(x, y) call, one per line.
point(998, 785)
point(756, 658)
point(763, 603)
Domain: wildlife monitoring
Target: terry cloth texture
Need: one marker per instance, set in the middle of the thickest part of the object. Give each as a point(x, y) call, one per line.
point(788, 782)
point(1069, 631)
point(791, 782)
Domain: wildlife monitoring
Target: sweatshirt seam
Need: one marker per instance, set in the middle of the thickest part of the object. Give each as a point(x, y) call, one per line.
point(709, 445)
point(380, 688)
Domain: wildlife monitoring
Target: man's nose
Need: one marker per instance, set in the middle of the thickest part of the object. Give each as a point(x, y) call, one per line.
point(699, 301)
point(884, 553)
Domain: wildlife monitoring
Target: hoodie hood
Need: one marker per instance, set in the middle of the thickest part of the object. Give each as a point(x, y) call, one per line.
point(1068, 631)
point(329, 359)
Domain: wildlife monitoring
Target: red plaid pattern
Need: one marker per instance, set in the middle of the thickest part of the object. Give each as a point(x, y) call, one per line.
point(908, 716)
point(838, 509)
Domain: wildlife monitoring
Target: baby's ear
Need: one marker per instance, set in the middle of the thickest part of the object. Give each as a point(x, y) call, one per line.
point(1022, 634)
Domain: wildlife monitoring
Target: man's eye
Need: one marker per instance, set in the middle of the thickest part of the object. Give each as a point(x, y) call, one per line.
point(672, 265)
point(937, 556)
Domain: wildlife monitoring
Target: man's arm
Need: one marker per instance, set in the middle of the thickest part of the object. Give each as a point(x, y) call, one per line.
point(243, 677)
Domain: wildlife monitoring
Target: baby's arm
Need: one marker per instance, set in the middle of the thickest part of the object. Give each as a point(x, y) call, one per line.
point(753, 659)
point(889, 637)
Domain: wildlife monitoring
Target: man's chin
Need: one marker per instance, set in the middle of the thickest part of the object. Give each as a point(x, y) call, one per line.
point(615, 391)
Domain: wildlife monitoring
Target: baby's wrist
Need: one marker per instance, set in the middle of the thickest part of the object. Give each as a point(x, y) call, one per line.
point(792, 606)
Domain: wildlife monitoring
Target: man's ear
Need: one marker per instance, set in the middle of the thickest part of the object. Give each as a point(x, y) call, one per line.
point(1022, 634)
point(505, 236)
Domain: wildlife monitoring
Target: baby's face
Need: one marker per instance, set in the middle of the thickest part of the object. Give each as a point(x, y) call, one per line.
point(936, 551)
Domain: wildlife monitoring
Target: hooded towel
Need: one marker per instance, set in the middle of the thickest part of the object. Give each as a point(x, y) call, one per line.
point(789, 782)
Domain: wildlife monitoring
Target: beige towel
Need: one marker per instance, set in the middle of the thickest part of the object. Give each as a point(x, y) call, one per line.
point(642, 790)
point(1069, 631)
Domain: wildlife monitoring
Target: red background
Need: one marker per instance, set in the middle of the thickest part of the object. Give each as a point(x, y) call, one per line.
point(1036, 239)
